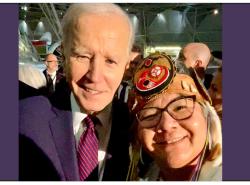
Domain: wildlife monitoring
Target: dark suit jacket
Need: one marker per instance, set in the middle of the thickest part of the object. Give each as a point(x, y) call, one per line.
point(47, 148)
point(59, 77)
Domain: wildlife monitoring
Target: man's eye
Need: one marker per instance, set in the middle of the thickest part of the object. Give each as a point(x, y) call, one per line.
point(82, 58)
point(109, 61)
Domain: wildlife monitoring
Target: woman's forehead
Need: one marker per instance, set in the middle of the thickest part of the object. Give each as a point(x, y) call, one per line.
point(162, 100)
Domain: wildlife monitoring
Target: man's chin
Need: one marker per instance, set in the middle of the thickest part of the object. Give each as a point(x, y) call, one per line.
point(89, 108)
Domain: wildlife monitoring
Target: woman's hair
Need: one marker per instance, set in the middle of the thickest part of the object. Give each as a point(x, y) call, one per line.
point(214, 131)
point(31, 76)
point(69, 22)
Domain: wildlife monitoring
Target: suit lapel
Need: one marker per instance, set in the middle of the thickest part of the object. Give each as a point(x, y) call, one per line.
point(62, 132)
point(118, 159)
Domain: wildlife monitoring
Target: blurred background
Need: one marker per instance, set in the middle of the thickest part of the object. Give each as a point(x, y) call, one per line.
point(164, 27)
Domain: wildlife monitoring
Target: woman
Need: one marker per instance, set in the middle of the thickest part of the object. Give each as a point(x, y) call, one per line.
point(176, 125)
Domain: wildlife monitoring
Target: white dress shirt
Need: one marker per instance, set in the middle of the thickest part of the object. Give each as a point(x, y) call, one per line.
point(103, 129)
point(53, 77)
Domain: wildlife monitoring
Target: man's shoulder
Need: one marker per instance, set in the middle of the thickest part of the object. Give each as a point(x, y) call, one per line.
point(37, 106)
point(39, 101)
point(60, 76)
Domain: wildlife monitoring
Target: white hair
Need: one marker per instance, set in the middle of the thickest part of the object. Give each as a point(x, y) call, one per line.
point(212, 166)
point(70, 19)
point(214, 124)
point(31, 76)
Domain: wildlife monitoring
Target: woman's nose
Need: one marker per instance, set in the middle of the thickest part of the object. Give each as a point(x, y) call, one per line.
point(167, 123)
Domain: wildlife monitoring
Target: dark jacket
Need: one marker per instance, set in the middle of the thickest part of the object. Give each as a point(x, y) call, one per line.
point(59, 77)
point(47, 148)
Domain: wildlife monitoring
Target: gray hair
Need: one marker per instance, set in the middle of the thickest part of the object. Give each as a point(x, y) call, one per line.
point(31, 76)
point(69, 21)
point(214, 126)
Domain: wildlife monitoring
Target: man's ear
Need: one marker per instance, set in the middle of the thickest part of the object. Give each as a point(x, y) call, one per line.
point(133, 55)
point(127, 65)
point(198, 63)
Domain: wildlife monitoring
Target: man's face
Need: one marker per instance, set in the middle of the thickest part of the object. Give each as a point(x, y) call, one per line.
point(51, 63)
point(97, 59)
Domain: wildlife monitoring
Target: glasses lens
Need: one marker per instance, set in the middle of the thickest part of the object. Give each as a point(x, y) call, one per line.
point(149, 117)
point(181, 108)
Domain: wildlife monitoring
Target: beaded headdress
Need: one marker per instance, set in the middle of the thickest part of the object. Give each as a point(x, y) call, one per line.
point(157, 75)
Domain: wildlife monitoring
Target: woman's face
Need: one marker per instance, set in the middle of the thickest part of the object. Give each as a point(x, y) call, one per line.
point(174, 143)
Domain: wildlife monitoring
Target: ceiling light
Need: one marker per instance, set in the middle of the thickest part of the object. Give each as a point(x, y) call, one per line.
point(216, 11)
point(25, 8)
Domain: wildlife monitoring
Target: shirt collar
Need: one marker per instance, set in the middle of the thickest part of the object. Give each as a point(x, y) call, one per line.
point(77, 115)
point(104, 116)
point(52, 74)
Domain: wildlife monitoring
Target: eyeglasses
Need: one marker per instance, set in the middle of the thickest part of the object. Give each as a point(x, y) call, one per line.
point(180, 108)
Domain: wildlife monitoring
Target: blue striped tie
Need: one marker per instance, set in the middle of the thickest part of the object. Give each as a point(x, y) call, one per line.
point(87, 153)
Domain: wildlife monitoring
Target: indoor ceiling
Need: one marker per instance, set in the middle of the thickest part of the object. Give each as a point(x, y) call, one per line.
point(200, 24)
point(34, 11)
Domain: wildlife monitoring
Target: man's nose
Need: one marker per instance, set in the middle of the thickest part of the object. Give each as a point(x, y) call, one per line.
point(95, 70)
point(167, 123)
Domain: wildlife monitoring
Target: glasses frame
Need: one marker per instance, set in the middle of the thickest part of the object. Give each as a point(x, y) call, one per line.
point(166, 109)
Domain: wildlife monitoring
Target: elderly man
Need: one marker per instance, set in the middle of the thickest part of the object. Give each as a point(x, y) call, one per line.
point(196, 55)
point(52, 76)
point(83, 134)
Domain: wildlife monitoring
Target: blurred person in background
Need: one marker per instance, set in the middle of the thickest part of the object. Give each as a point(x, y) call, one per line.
point(215, 91)
point(126, 84)
point(31, 81)
point(51, 74)
point(196, 55)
